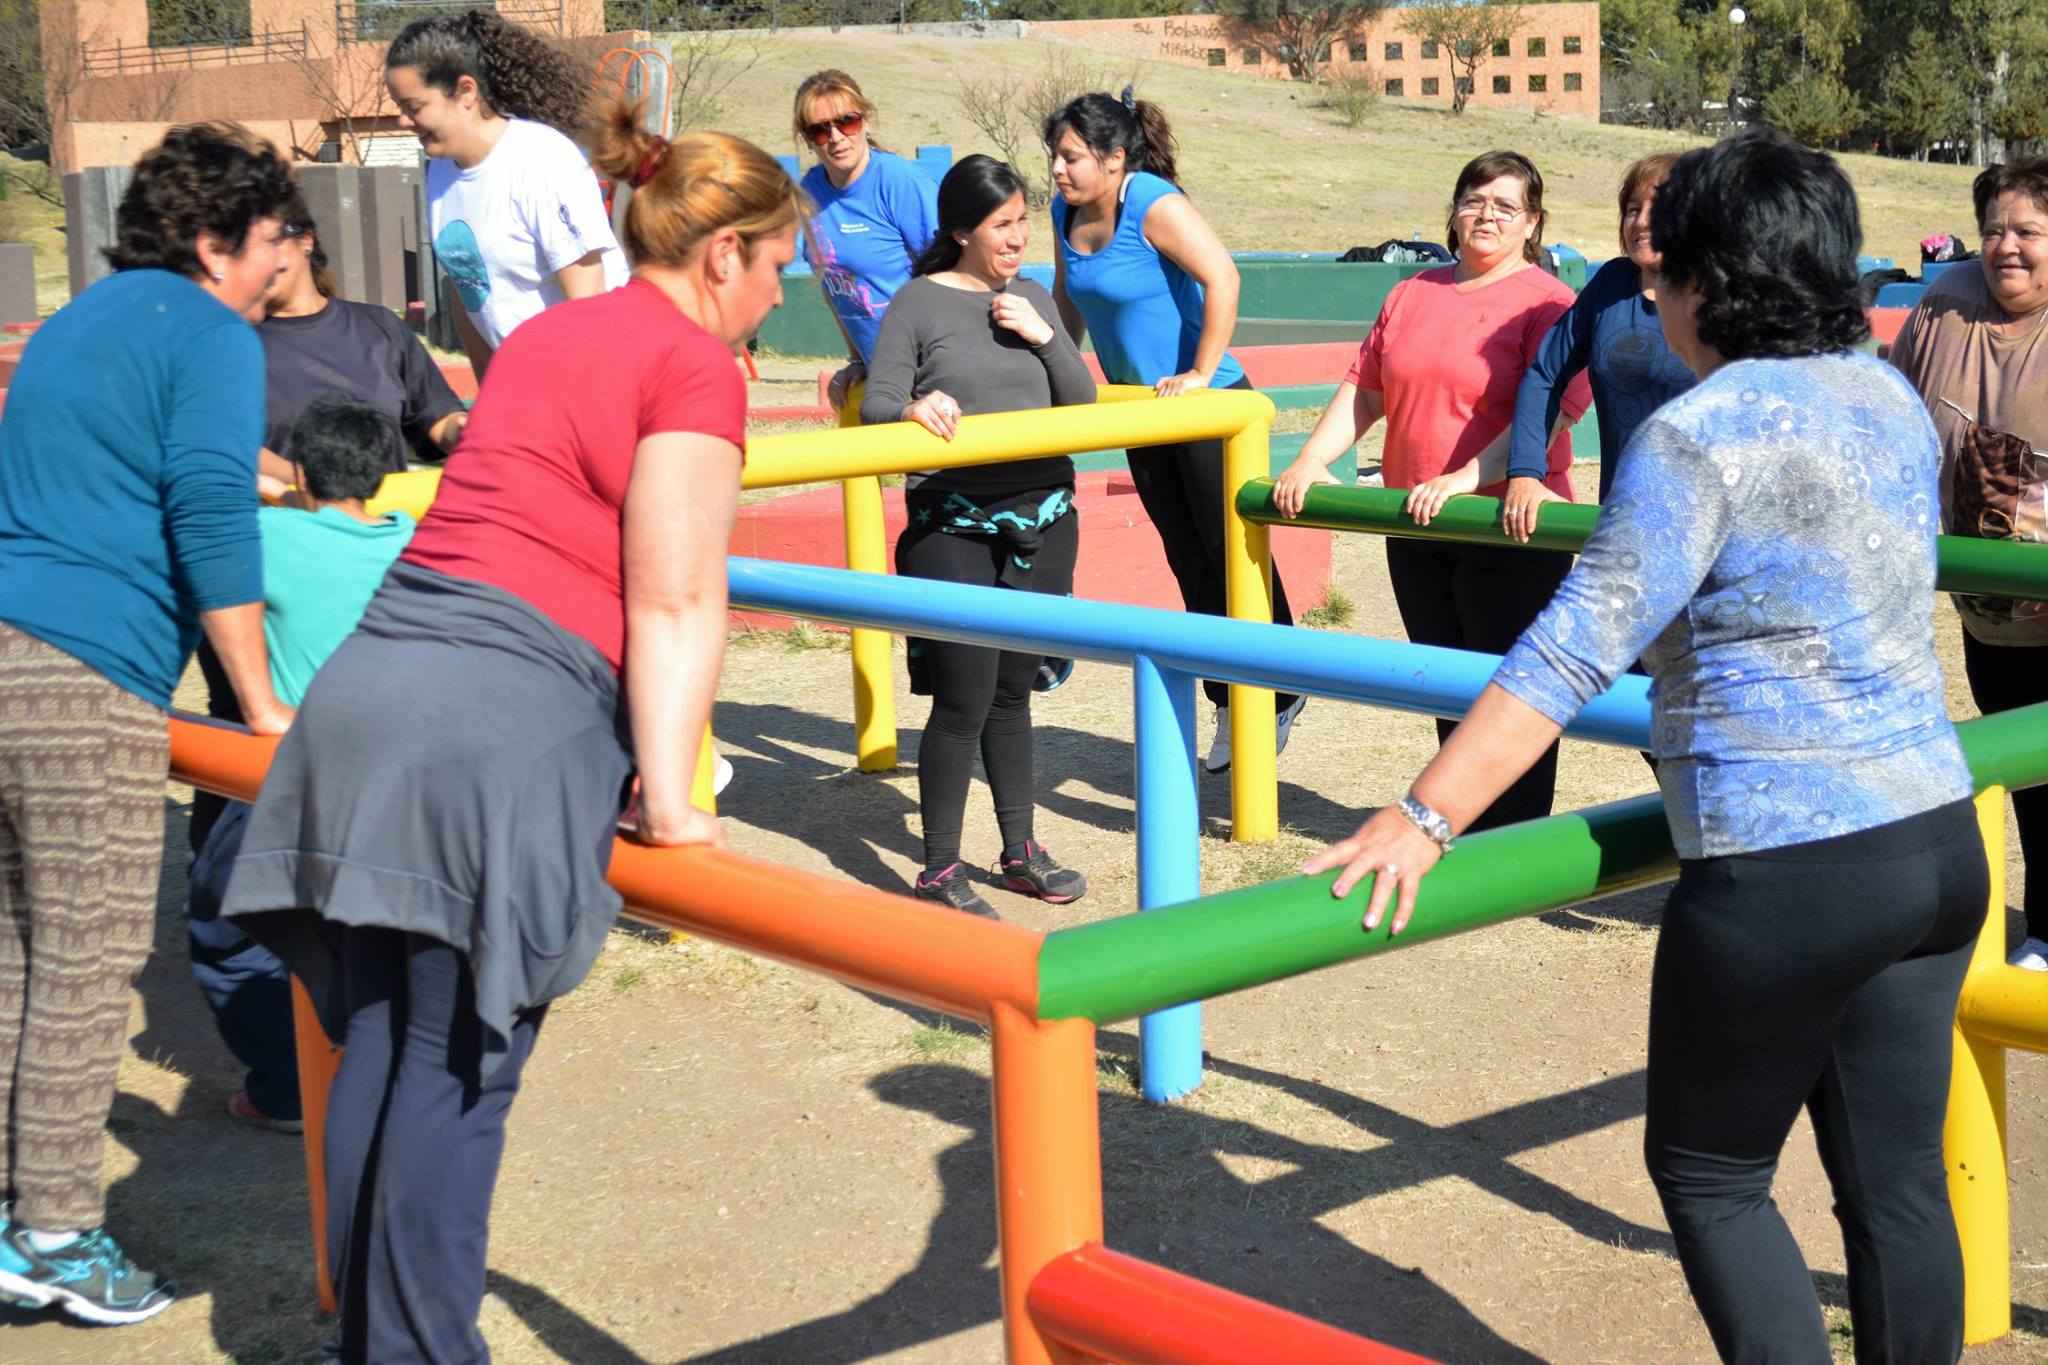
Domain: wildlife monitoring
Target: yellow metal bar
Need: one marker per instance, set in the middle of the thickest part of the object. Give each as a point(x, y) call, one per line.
point(867, 549)
point(1973, 1136)
point(1248, 582)
point(901, 447)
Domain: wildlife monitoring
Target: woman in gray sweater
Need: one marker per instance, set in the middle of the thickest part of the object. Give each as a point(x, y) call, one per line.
point(966, 337)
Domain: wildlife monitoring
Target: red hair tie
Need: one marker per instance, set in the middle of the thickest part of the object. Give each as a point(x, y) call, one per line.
point(651, 162)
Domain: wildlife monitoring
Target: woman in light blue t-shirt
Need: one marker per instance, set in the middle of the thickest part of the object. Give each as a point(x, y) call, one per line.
point(1143, 271)
point(874, 213)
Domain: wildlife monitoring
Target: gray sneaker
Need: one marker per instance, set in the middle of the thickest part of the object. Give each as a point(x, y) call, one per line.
point(88, 1277)
point(949, 887)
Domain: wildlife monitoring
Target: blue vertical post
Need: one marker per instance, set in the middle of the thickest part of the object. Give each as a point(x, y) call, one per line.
point(1169, 859)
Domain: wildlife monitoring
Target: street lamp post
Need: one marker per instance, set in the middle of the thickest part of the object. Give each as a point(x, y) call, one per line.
point(1737, 17)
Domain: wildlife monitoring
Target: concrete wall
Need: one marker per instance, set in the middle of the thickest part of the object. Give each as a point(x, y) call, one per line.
point(1207, 40)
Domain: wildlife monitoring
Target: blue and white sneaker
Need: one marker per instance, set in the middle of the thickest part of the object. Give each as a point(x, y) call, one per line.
point(88, 1277)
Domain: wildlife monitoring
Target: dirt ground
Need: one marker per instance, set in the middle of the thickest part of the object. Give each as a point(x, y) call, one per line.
point(718, 1159)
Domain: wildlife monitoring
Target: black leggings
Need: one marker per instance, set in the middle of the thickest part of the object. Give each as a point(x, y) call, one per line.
point(981, 698)
point(1822, 975)
point(2003, 677)
point(1181, 487)
point(1480, 597)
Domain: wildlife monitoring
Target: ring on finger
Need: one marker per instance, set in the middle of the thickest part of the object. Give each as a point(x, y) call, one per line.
point(1391, 869)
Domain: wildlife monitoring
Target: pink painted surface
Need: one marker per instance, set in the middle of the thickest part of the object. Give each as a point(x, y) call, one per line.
point(1120, 556)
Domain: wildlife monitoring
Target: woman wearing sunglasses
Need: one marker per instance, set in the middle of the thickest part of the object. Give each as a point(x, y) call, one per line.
point(1442, 365)
point(875, 213)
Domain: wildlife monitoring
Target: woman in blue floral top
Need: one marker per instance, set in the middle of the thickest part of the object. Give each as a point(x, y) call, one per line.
point(1768, 550)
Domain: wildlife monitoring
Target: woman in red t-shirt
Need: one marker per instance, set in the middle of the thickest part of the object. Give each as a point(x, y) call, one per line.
point(429, 850)
point(1442, 365)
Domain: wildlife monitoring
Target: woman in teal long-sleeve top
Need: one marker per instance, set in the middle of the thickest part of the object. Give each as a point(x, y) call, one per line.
point(127, 526)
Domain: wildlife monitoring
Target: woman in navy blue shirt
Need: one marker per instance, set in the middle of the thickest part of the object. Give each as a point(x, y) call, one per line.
point(1142, 270)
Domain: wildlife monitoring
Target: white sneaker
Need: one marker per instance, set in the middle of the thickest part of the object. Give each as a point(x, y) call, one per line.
point(721, 773)
point(2030, 956)
point(1219, 747)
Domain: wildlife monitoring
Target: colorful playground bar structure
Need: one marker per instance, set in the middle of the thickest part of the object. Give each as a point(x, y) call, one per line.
point(1042, 996)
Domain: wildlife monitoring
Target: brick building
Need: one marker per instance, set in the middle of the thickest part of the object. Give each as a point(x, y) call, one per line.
point(307, 74)
point(1552, 63)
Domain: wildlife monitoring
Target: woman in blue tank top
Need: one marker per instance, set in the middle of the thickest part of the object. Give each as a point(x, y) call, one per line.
point(1143, 271)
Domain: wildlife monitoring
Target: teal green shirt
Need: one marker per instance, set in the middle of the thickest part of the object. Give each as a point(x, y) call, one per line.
point(320, 570)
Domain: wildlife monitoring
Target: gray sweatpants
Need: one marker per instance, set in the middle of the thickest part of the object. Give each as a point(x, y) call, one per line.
point(82, 766)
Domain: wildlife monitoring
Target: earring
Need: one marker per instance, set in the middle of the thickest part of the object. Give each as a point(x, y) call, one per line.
point(218, 276)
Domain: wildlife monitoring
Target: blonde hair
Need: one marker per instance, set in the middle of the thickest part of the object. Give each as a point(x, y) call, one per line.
point(824, 84)
point(689, 188)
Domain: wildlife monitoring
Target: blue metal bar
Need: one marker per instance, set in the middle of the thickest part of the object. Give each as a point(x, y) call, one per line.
point(1169, 859)
point(1386, 673)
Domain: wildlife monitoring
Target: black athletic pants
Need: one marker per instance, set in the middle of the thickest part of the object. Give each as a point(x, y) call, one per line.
point(1821, 975)
point(981, 698)
point(1181, 487)
point(1479, 597)
point(2003, 677)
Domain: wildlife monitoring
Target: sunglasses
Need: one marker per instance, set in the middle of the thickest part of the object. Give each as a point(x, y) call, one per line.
point(848, 124)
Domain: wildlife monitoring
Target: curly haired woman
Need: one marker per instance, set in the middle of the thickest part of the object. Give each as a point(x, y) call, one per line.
point(517, 220)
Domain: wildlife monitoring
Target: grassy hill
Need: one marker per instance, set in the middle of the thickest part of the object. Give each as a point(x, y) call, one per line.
point(1274, 170)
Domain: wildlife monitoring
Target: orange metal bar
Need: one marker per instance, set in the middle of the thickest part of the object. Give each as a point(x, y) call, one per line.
point(319, 1059)
point(1120, 1308)
point(1048, 1163)
point(917, 952)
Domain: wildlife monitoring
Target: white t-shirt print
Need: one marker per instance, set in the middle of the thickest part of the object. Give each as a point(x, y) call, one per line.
point(503, 227)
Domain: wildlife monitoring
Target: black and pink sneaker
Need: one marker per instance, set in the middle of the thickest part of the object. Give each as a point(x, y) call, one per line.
point(949, 887)
point(1036, 874)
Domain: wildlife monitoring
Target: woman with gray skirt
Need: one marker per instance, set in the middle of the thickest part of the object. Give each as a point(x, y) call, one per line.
point(429, 851)
point(965, 337)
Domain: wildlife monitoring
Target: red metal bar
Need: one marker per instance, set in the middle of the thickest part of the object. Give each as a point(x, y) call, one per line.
point(1121, 1308)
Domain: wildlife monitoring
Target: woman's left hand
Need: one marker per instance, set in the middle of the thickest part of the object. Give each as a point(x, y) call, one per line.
point(1518, 509)
point(842, 381)
point(1394, 852)
point(1014, 313)
point(1175, 385)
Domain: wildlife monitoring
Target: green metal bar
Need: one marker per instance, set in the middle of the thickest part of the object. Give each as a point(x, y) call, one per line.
point(1120, 968)
point(2002, 568)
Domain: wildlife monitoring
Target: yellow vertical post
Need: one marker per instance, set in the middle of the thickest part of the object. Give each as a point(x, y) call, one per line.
point(1048, 1142)
point(867, 551)
point(1248, 582)
point(1973, 1137)
point(703, 795)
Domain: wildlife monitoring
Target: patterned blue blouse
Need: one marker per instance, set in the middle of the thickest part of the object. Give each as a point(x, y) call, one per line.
point(1769, 552)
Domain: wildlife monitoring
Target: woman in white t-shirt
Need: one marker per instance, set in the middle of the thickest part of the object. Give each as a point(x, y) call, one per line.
point(517, 221)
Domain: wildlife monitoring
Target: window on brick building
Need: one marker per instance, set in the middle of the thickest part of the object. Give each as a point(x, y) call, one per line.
point(1463, 85)
point(1252, 56)
point(1323, 53)
point(1539, 85)
point(199, 23)
point(1536, 47)
point(1502, 85)
point(1571, 81)
point(1429, 52)
point(1393, 52)
point(1394, 88)
point(1571, 46)
point(1431, 85)
point(1358, 52)
point(1217, 56)
point(1501, 47)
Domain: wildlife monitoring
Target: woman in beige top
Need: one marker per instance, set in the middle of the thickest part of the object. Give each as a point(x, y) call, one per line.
point(1976, 348)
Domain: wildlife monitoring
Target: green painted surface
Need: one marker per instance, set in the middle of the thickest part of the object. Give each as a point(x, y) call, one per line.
point(1964, 564)
point(1148, 960)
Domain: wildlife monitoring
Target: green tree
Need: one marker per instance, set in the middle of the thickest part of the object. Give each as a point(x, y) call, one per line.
point(1816, 109)
point(1464, 34)
point(1919, 100)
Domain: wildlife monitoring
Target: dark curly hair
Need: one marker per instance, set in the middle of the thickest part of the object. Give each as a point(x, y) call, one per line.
point(517, 72)
point(217, 178)
point(344, 447)
point(298, 222)
point(1779, 277)
point(2026, 175)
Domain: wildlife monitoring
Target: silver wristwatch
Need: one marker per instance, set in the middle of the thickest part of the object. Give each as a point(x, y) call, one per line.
point(1428, 821)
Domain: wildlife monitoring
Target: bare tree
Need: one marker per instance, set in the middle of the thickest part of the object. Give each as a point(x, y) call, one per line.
point(1011, 109)
point(1301, 33)
point(347, 84)
point(703, 65)
point(1466, 35)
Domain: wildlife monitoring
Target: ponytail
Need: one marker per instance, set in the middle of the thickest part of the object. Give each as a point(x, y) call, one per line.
point(1111, 123)
point(686, 189)
point(518, 73)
